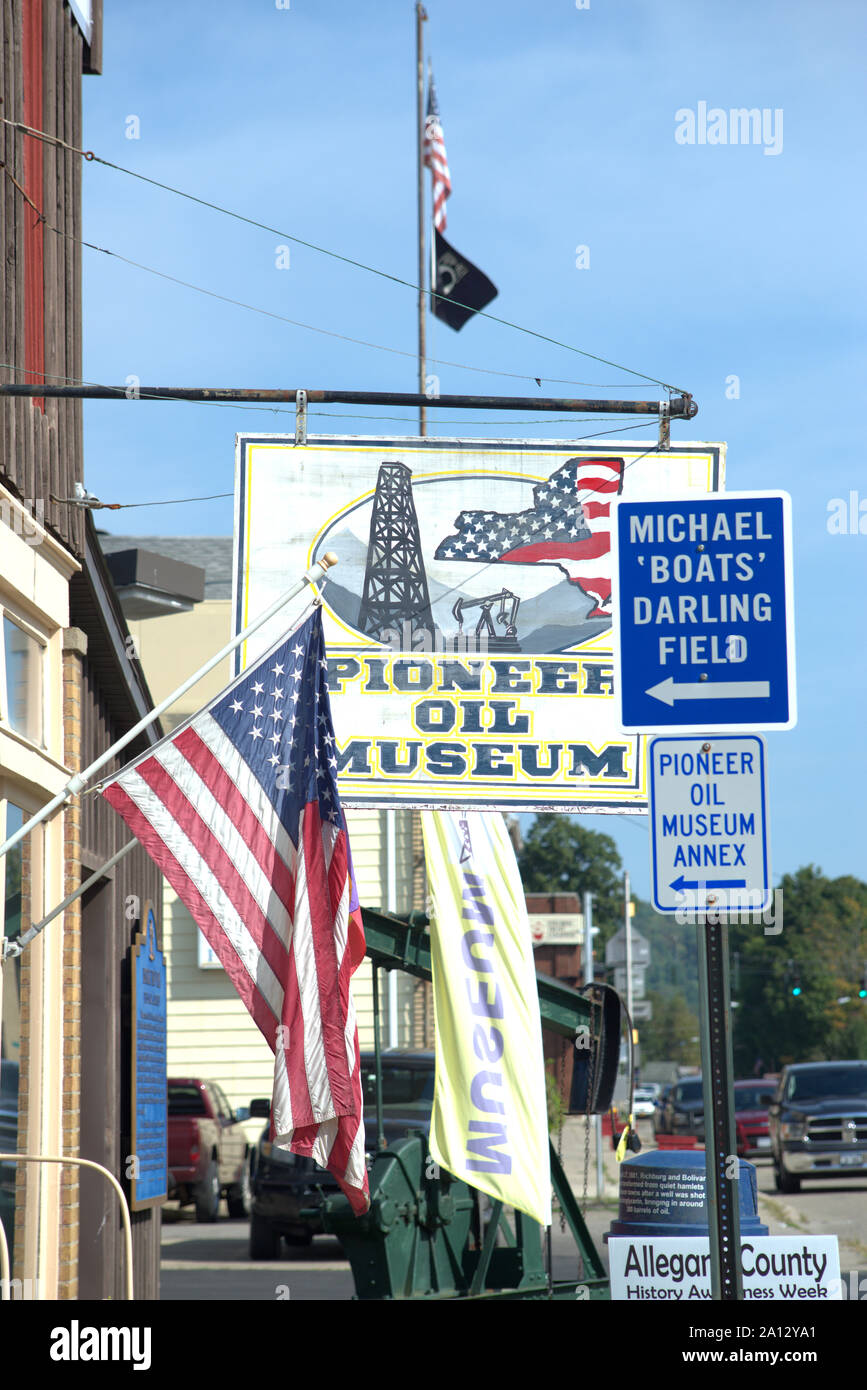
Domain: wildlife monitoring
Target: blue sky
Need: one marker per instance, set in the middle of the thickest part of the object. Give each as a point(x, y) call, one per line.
point(706, 262)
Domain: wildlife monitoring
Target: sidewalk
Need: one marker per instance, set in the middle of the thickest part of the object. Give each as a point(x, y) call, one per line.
point(598, 1213)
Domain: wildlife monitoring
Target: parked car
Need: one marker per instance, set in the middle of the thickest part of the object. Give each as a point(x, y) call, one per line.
point(208, 1151)
point(644, 1100)
point(751, 1119)
point(818, 1122)
point(684, 1108)
point(288, 1189)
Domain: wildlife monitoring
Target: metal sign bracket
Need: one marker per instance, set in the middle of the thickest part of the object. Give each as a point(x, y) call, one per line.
point(665, 424)
point(300, 417)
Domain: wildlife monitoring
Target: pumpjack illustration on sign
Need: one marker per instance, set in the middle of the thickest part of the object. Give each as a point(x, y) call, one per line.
point(415, 578)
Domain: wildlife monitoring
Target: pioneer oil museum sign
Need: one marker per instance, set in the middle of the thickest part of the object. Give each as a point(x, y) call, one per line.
point(468, 623)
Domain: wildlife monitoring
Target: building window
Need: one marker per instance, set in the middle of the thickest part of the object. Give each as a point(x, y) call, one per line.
point(21, 687)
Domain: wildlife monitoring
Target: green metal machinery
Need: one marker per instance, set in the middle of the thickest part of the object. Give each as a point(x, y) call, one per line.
point(429, 1234)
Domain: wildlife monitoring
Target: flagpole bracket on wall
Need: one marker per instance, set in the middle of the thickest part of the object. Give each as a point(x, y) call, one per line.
point(300, 417)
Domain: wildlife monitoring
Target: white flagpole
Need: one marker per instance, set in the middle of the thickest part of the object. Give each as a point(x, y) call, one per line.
point(12, 947)
point(420, 17)
point(76, 783)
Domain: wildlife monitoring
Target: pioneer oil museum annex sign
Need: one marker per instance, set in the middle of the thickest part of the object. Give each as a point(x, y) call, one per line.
point(468, 623)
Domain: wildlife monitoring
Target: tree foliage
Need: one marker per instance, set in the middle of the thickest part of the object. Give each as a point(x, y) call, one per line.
point(671, 1035)
point(561, 856)
point(823, 948)
point(673, 967)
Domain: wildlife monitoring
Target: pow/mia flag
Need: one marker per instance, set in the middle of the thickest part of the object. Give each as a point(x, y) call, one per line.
point(460, 289)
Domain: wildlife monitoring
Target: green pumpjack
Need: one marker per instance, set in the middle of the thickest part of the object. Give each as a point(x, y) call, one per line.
point(429, 1234)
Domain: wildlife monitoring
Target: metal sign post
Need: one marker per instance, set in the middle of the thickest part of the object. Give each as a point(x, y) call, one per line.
point(704, 618)
point(723, 1165)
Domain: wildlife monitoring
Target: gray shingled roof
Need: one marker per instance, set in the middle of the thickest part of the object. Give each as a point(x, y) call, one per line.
point(213, 554)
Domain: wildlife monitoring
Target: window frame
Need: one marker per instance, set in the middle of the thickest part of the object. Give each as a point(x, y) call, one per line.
point(42, 641)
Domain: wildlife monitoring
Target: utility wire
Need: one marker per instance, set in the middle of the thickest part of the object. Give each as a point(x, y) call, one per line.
point(95, 505)
point(324, 251)
point(332, 333)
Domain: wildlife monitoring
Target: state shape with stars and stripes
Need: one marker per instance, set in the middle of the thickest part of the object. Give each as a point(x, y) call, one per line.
point(568, 525)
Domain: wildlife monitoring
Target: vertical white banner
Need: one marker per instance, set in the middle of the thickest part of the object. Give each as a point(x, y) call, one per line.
point(490, 1120)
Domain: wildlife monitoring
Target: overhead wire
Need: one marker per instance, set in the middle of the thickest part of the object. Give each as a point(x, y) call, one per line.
point(334, 255)
point(330, 332)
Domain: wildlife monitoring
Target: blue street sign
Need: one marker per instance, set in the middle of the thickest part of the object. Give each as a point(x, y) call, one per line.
point(709, 824)
point(703, 612)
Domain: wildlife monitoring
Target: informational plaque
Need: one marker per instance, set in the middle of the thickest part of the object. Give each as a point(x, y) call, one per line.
point(148, 1169)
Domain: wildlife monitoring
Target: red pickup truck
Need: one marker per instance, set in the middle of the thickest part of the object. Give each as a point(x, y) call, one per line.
point(208, 1150)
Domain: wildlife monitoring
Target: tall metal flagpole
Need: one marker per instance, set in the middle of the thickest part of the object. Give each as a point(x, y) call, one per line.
point(420, 17)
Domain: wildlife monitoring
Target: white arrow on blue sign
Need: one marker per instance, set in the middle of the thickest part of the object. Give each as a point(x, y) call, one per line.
point(708, 824)
point(703, 612)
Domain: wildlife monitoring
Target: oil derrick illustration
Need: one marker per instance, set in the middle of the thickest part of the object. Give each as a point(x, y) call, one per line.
point(395, 582)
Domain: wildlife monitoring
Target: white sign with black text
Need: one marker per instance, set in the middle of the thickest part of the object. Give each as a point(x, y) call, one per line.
point(556, 928)
point(708, 823)
point(776, 1268)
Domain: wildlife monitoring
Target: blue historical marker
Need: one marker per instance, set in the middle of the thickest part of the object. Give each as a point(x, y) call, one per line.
point(149, 1120)
point(703, 612)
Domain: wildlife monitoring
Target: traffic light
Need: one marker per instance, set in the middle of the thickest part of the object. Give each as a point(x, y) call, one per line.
point(793, 978)
point(862, 993)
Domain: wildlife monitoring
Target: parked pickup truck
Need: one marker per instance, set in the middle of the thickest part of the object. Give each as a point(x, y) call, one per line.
point(208, 1150)
point(818, 1122)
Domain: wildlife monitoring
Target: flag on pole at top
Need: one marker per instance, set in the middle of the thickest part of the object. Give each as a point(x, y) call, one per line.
point(239, 809)
point(459, 288)
point(435, 157)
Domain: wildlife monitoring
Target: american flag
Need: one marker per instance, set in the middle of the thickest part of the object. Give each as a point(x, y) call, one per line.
point(568, 525)
point(435, 157)
point(239, 809)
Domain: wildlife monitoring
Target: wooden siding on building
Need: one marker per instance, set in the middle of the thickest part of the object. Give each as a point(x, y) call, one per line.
point(42, 448)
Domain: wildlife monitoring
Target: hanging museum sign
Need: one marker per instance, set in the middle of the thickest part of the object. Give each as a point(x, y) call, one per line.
point(470, 645)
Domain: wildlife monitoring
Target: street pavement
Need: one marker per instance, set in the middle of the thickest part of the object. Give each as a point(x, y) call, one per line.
point(210, 1262)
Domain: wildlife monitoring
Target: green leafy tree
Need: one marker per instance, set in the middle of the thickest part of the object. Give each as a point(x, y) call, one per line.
point(671, 1035)
point(673, 968)
point(561, 856)
point(822, 949)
